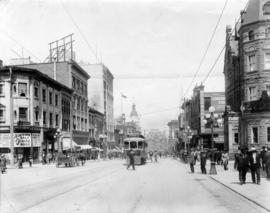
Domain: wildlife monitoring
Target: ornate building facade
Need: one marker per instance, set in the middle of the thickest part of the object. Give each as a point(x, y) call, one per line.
point(247, 74)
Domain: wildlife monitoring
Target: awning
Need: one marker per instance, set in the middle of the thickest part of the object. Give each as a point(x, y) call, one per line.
point(98, 149)
point(66, 144)
point(83, 147)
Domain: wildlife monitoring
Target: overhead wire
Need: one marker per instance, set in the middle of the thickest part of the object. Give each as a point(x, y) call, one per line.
point(207, 48)
point(80, 31)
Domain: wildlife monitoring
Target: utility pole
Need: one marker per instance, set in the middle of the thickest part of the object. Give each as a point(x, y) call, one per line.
point(11, 120)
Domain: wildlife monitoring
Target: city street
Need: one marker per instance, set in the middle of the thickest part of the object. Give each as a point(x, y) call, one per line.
point(106, 186)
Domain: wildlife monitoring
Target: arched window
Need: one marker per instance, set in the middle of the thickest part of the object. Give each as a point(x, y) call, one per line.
point(266, 8)
point(251, 35)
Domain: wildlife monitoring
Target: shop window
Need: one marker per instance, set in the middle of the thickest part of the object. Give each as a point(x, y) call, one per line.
point(254, 134)
point(22, 87)
point(268, 89)
point(23, 114)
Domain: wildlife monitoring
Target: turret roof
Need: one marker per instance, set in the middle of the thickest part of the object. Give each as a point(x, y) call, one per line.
point(257, 10)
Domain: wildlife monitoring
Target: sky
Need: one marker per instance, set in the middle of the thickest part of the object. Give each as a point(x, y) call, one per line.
point(152, 47)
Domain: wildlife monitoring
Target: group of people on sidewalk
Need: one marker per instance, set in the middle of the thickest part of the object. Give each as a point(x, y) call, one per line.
point(202, 156)
point(252, 160)
point(246, 160)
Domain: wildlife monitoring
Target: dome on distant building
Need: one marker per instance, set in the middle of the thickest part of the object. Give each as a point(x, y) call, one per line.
point(134, 115)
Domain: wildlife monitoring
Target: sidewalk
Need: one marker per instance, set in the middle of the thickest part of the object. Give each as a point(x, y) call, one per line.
point(259, 194)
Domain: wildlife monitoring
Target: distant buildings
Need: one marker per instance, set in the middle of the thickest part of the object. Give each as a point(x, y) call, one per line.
point(194, 132)
point(156, 140)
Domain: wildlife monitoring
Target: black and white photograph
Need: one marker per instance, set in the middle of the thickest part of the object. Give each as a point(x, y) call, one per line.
point(134, 106)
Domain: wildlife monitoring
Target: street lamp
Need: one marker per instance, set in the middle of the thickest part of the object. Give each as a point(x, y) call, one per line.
point(59, 148)
point(189, 134)
point(212, 118)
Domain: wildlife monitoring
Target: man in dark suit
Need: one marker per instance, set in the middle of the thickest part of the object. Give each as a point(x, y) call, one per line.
point(242, 166)
point(254, 165)
point(131, 159)
point(203, 157)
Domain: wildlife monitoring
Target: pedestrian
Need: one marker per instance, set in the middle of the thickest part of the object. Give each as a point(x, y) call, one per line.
point(254, 165)
point(3, 164)
point(30, 161)
point(195, 156)
point(192, 160)
point(225, 160)
point(267, 162)
point(236, 156)
point(151, 156)
point(20, 161)
point(242, 166)
point(203, 157)
point(155, 156)
point(131, 159)
point(264, 150)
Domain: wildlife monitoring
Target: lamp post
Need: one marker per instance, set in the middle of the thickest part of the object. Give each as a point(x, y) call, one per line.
point(59, 148)
point(189, 134)
point(212, 118)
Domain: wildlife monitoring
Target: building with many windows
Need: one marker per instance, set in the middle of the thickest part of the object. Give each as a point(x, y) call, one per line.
point(76, 78)
point(34, 106)
point(247, 76)
point(195, 110)
point(100, 93)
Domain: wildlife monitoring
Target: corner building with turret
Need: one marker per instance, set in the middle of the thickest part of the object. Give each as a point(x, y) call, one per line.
point(247, 78)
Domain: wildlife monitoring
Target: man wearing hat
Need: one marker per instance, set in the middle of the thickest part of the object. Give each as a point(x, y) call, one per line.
point(254, 165)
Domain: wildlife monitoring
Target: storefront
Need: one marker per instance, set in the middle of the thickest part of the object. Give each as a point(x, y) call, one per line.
point(27, 144)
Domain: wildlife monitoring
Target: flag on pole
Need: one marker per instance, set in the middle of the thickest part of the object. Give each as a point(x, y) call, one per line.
point(123, 96)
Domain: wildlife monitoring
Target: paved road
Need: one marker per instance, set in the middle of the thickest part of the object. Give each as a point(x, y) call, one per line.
point(107, 186)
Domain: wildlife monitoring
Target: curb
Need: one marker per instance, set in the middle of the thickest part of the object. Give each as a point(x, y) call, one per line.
point(235, 191)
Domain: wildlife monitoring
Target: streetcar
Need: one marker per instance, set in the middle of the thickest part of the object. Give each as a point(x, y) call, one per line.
point(139, 146)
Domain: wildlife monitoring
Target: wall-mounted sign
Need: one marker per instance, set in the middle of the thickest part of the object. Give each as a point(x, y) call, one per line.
point(20, 140)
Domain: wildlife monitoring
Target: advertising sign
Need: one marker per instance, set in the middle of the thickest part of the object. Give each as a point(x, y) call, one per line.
point(22, 140)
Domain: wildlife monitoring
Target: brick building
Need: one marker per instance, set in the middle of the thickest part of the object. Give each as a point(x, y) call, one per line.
point(195, 111)
point(40, 105)
point(247, 75)
point(74, 77)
